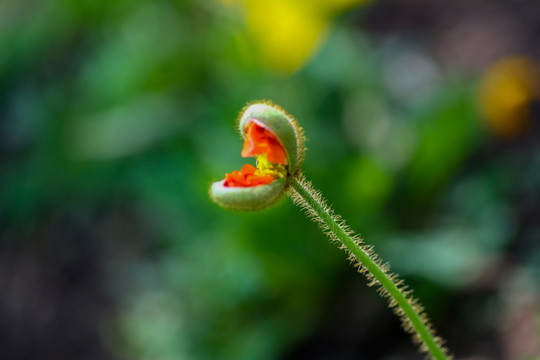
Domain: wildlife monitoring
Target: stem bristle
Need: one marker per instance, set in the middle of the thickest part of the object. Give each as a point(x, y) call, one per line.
point(339, 224)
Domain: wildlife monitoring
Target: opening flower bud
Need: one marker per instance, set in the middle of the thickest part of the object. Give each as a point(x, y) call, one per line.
point(274, 138)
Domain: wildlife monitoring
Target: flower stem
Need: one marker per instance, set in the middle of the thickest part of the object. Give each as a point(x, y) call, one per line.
point(405, 306)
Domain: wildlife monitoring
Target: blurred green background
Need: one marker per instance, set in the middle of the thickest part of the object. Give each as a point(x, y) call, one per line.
point(115, 117)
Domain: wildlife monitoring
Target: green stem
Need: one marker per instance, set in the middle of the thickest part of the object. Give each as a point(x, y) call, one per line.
point(317, 207)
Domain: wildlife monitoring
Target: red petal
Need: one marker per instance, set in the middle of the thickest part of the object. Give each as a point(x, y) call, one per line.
point(246, 178)
point(260, 140)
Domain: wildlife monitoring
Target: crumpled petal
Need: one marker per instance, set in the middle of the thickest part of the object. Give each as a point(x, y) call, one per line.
point(246, 177)
point(260, 140)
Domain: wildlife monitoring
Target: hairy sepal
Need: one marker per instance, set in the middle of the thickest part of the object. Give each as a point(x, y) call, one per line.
point(247, 198)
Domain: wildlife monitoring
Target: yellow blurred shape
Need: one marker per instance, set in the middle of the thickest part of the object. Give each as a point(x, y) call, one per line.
point(506, 91)
point(288, 32)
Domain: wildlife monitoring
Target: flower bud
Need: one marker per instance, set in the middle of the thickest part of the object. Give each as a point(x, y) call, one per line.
point(274, 138)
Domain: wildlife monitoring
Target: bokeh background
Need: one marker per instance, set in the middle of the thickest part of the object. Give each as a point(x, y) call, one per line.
point(115, 117)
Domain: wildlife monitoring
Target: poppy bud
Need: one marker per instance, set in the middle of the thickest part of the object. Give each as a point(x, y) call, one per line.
point(274, 138)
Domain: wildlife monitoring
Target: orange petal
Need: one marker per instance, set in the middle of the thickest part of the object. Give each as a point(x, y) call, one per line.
point(260, 140)
point(246, 177)
point(248, 169)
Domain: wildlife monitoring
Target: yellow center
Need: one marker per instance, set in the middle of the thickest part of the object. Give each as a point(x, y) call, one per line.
point(266, 167)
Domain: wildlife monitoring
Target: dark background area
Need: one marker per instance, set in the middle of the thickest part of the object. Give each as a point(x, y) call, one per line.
point(116, 116)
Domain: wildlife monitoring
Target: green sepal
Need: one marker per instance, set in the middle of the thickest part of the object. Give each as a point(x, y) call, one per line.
point(247, 198)
point(282, 125)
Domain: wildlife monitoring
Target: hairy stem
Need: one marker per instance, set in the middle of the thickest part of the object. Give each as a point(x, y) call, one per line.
point(400, 300)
